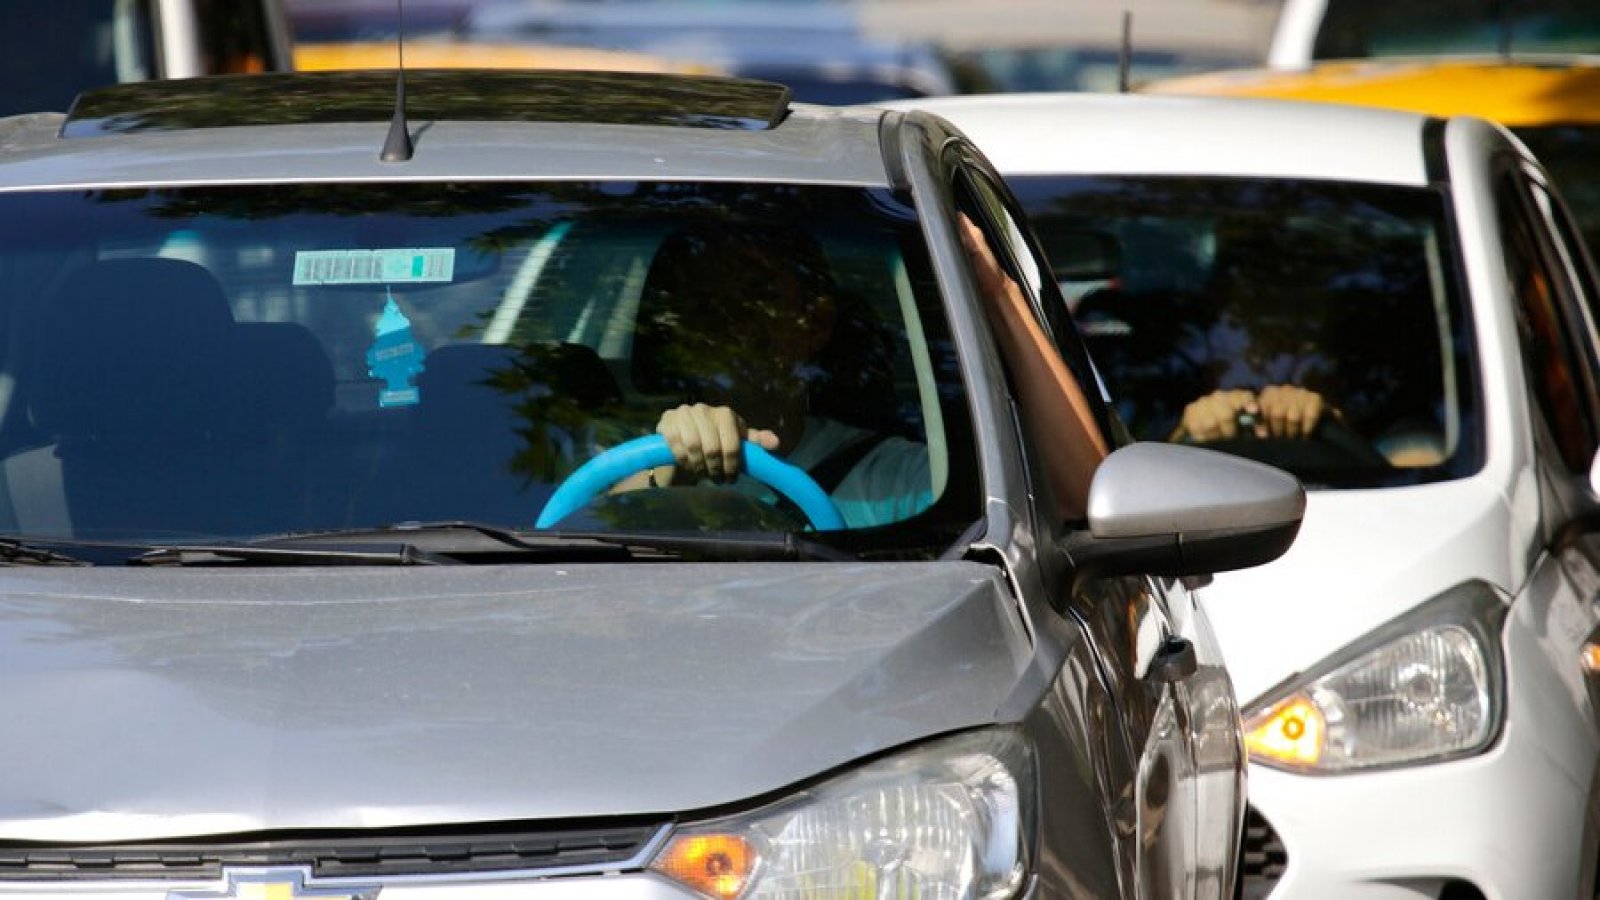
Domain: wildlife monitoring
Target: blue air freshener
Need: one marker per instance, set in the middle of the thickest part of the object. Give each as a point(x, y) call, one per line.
point(395, 357)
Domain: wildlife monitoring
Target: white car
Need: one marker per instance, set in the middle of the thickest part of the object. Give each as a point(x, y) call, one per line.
point(1413, 672)
point(1312, 30)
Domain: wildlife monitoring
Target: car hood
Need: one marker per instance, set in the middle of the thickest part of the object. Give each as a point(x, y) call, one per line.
point(145, 704)
point(1362, 557)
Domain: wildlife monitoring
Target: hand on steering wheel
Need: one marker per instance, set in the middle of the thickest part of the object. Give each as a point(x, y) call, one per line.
point(1279, 411)
point(1283, 425)
point(600, 473)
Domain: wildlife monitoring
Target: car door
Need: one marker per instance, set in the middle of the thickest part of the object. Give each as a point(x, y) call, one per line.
point(1554, 295)
point(1148, 656)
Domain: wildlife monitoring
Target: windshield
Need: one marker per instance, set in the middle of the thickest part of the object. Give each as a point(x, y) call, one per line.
point(1361, 28)
point(1211, 304)
point(241, 361)
point(59, 49)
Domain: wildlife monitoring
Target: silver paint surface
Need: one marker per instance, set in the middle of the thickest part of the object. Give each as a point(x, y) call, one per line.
point(814, 145)
point(151, 703)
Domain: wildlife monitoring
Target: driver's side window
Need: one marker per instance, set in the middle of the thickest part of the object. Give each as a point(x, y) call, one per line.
point(1549, 352)
point(1059, 399)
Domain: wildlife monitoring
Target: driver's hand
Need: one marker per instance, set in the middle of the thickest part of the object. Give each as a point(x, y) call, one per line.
point(1279, 411)
point(706, 442)
point(1215, 417)
point(1288, 411)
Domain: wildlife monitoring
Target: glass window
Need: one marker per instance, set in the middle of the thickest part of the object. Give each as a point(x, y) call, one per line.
point(234, 36)
point(1194, 294)
point(1362, 28)
point(1571, 153)
point(1028, 267)
point(1551, 349)
point(248, 360)
point(57, 50)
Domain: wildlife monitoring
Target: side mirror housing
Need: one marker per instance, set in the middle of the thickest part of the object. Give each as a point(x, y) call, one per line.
point(1168, 509)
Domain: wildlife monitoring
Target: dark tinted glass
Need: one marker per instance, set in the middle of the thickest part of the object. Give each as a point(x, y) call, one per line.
point(1550, 348)
point(1361, 28)
point(55, 50)
point(1185, 287)
point(235, 37)
point(248, 360)
point(1571, 154)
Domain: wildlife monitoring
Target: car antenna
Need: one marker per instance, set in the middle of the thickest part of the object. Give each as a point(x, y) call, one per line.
point(397, 146)
point(1505, 30)
point(1125, 54)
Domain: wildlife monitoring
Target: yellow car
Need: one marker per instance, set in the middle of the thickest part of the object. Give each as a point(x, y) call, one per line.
point(450, 54)
point(1554, 107)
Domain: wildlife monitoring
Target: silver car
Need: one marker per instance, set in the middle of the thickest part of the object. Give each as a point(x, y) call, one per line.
point(583, 486)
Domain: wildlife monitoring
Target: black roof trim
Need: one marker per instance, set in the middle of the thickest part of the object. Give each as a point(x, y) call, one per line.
point(477, 95)
point(1435, 159)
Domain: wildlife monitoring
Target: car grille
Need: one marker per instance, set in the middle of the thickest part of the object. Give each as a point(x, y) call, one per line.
point(1262, 857)
point(336, 855)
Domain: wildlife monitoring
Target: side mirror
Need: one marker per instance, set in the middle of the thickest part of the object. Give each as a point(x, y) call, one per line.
point(1168, 509)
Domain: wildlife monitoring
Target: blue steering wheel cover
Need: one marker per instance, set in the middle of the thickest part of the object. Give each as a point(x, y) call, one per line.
point(610, 467)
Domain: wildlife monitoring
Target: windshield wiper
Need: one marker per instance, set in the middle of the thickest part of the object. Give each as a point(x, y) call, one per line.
point(475, 542)
point(718, 546)
point(389, 553)
point(17, 552)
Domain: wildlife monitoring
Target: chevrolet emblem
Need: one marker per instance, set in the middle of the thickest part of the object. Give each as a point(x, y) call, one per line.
point(273, 884)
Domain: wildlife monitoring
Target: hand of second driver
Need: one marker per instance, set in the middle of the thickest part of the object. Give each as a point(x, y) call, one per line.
point(1279, 411)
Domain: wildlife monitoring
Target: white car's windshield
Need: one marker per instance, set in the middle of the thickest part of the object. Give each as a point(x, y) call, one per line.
point(240, 361)
point(1312, 325)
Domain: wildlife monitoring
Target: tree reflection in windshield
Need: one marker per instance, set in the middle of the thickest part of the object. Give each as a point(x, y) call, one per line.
point(527, 361)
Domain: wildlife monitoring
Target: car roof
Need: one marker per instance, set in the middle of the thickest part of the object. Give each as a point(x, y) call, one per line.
point(1514, 92)
point(479, 124)
point(1134, 134)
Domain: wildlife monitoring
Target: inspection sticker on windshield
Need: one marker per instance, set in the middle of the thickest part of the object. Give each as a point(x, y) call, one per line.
point(390, 266)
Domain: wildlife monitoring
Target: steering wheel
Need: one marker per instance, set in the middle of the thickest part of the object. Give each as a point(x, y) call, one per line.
point(1331, 446)
point(610, 467)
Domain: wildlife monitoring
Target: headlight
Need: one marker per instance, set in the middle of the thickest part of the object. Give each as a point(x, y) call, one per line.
point(1422, 689)
point(952, 820)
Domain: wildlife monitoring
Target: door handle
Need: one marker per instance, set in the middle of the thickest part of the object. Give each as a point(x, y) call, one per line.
point(1174, 662)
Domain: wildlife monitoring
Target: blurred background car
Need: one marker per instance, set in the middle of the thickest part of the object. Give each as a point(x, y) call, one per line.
point(1419, 713)
point(339, 21)
point(831, 51)
point(821, 50)
point(1051, 45)
point(362, 34)
point(55, 50)
point(1309, 31)
point(447, 53)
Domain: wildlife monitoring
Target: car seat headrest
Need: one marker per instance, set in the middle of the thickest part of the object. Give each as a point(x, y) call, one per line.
point(133, 345)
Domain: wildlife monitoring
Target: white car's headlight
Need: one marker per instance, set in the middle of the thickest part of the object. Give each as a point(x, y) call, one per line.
point(952, 820)
point(1422, 689)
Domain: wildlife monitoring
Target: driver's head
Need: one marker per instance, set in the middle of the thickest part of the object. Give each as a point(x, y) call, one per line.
point(732, 312)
